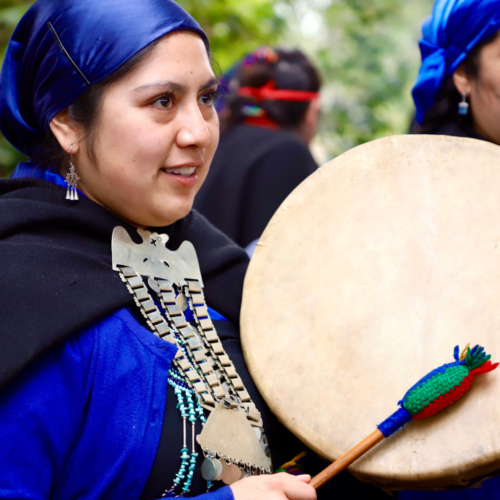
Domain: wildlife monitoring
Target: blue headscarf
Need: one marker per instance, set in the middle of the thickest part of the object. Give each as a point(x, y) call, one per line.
point(38, 80)
point(453, 30)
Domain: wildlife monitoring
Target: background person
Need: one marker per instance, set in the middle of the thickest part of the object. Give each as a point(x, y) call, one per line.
point(263, 154)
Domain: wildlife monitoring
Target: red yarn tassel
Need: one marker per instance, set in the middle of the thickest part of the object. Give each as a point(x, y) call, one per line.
point(487, 367)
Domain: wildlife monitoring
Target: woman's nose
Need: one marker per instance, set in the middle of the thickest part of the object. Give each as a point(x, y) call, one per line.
point(193, 128)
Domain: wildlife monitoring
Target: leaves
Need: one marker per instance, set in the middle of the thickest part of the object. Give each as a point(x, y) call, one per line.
point(367, 53)
point(10, 13)
point(236, 27)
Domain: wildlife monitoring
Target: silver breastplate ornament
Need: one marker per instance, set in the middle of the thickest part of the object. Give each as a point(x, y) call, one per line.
point(232, 438)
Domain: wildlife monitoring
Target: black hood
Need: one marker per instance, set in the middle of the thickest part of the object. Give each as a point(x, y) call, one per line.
point(56, 268)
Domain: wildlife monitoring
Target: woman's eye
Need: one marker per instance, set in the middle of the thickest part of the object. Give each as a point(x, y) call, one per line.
point(208, 99)
point(164, 102)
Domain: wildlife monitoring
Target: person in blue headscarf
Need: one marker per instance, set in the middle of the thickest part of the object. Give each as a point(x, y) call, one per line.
point(113, 101)
point(458, 87)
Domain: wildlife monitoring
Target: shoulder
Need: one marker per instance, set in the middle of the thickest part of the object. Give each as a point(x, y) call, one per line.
point(17, 187)
point(261, 149)
point(223, 263)
point(284, 150)
point(246, 153)
point(214, 249)
point(112, 341)
point(56, 270)
point(287, 159)
point(121, 333)
point(216, 252)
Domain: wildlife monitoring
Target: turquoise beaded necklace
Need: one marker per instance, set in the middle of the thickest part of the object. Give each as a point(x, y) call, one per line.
point(190, 410)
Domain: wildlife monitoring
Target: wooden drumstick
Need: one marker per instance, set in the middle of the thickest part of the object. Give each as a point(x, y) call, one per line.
point(347, 459)
point(431, 394)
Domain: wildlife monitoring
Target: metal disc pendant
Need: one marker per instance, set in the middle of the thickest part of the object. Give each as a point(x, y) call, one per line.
point(211, 469)
point(231, 473)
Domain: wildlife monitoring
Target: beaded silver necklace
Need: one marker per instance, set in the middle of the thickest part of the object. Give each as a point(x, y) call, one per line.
point(203, 377)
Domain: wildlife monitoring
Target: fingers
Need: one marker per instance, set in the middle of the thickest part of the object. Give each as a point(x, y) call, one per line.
point(295, 488)
point(305, 478)
point(280, 486)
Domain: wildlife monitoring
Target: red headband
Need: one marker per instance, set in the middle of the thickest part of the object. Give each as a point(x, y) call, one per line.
point(269, 92)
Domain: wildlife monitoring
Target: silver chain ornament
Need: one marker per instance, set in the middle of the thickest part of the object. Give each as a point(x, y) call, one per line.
point(175, 278)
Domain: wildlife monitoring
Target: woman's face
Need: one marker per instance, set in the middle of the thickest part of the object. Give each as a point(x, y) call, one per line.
point(156, 135)
point(483, 92)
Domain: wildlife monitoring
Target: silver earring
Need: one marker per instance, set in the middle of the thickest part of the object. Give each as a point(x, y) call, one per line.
point(72, 180)
point(463, 106)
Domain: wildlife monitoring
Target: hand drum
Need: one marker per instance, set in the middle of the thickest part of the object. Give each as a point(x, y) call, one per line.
point(367, 276)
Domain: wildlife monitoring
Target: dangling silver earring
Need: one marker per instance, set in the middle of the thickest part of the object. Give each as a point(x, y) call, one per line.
point(463, 106)
point(72, 180)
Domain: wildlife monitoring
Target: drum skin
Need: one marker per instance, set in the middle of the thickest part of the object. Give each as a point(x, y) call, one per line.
point(367, 276)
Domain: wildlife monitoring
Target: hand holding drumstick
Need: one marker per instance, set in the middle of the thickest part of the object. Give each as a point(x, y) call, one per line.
point(281, 486)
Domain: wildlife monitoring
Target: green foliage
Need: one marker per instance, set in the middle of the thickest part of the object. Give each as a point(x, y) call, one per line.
point(10, 13)
point(367, 53)
point(236, 27)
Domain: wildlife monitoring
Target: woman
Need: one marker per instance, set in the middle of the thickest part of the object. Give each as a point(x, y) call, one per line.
point(80, 414)
point(457, 88)
point(264, 155)
point(117, 98)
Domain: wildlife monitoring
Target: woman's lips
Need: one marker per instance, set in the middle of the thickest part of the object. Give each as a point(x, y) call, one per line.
point(184, 176)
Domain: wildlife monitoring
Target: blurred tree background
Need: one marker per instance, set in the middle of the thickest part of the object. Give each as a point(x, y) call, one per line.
point(367, 53)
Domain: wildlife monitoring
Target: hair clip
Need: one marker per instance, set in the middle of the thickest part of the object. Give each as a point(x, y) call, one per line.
point(66, 54)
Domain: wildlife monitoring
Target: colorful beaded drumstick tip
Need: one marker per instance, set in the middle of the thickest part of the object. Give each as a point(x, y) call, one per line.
point(431, 394)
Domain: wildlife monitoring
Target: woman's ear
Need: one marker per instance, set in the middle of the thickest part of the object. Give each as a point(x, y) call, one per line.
point(65, 131)
point(462, 82)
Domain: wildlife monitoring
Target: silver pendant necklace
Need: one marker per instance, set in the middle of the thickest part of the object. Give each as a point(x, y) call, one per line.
point(233, 439)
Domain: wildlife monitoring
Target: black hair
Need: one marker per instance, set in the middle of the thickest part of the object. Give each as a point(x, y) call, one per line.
point(291, 70)
point(448, 97)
